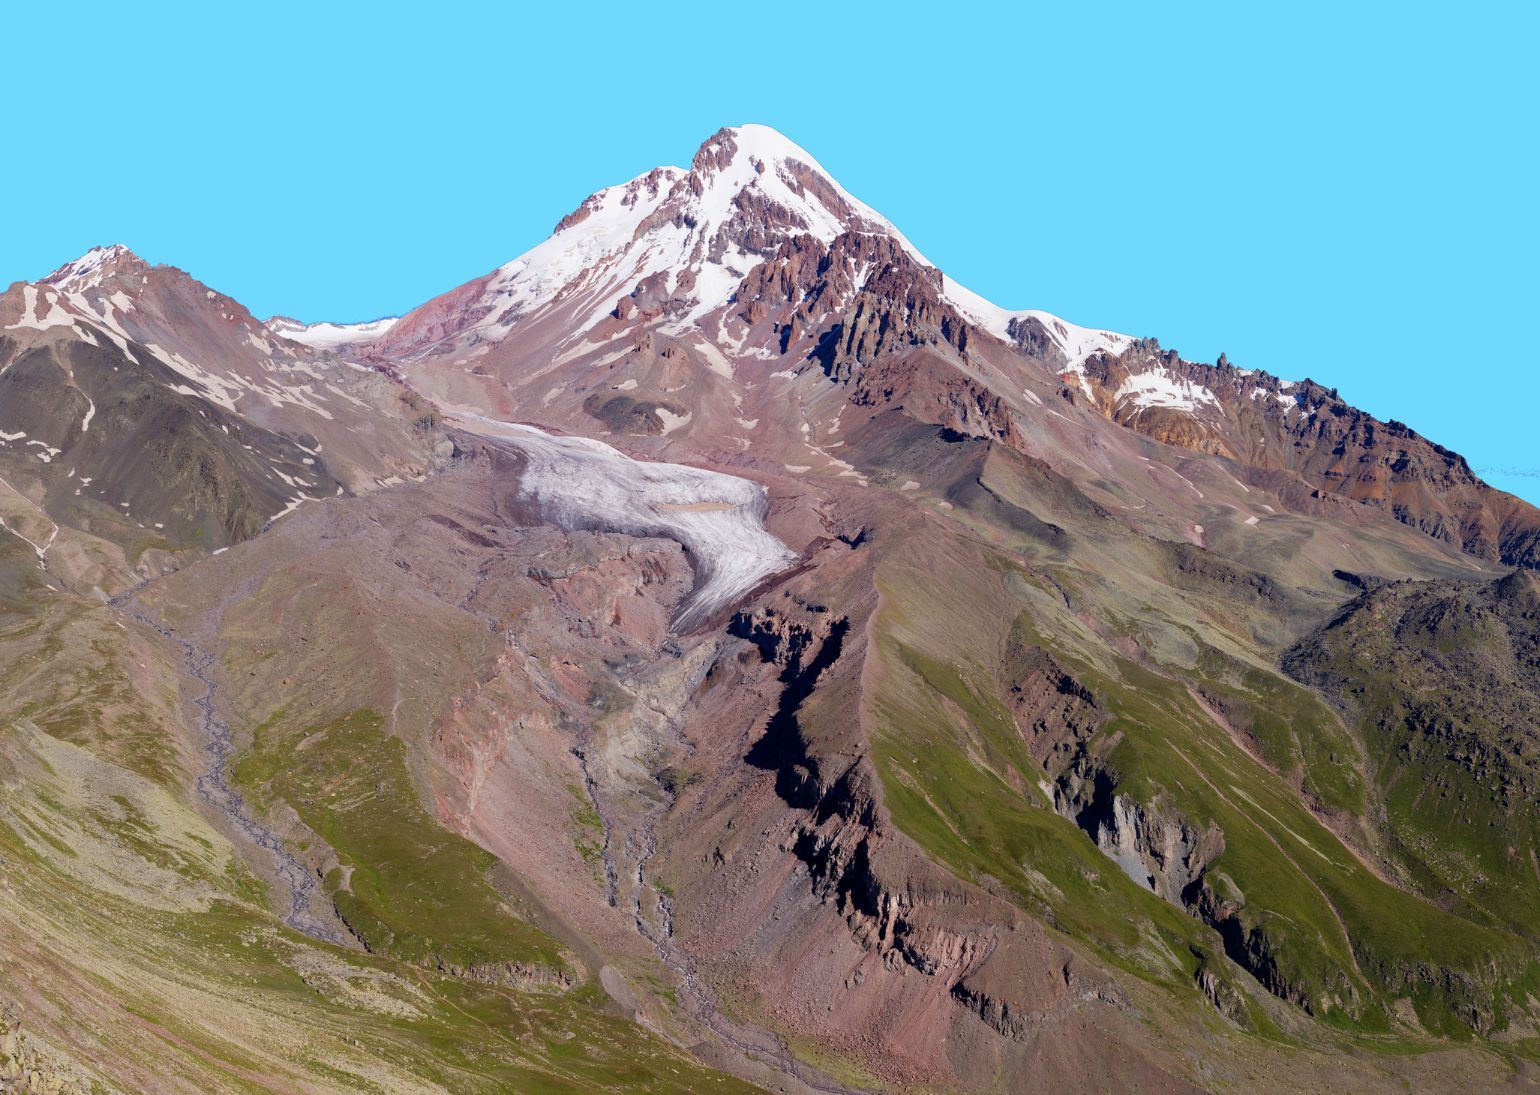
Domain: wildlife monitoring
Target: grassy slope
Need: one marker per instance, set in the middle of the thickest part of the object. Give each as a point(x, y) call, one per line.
point(1440, 681)
point(957, 777)
point(137, 945)
point(406, 886)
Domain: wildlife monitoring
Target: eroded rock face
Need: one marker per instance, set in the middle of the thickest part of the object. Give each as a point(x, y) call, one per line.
point(1056, 712)
point(947, 953)
point(1158, 850)
point(1309, 431)
point(850, 302)
point(1030, 334)
point(1154, 845)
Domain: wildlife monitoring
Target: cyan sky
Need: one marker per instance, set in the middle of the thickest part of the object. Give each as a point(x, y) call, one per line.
point(1344, 191)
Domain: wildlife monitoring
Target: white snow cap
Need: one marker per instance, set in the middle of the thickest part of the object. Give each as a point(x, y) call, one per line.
point(671, 220)
point(87, 265)
point(765, 159)
point(668, 220)
point(761, 144)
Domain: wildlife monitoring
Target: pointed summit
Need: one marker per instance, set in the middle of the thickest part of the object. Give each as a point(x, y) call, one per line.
point(672, 246)
point(684, 237)
point(758, 146)
point(96, 264)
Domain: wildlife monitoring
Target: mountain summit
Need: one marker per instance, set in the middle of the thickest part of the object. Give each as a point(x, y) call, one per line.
point(688, 237)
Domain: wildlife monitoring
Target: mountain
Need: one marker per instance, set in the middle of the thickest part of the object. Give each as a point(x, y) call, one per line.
point(144, 417)
point(717, 649)
point(1307, 432)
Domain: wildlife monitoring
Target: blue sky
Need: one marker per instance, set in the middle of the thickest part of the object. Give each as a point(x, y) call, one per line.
point(1338, 191)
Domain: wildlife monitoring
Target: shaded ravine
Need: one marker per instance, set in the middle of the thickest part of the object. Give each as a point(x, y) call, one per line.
point(214, 788)
point(772, 1064)
point(757, 1044)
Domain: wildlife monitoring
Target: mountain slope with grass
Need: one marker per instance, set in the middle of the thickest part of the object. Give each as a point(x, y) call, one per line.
point(717, 650)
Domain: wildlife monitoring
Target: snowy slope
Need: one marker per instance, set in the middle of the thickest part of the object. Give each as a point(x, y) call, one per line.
point(326, 336)
point(692, 234)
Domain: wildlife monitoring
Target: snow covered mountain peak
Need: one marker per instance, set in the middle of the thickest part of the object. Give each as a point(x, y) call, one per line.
point(758, 143)
point(745, 170)
point(95, 264)
point(687, 237)
point(674, 244)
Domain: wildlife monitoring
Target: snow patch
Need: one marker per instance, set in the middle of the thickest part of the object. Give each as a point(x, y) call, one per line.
point(86, 270)
point(325, 336)
point(1159, 388)
point(56, 316)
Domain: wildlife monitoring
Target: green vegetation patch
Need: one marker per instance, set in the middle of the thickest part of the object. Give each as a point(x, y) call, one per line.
point(1289, 901)
point(406, 885)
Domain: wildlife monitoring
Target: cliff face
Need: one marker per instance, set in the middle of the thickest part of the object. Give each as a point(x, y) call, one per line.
point(1306, 430)
point(840, 924)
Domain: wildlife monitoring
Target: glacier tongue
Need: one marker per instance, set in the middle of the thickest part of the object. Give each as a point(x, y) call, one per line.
point(580, 483)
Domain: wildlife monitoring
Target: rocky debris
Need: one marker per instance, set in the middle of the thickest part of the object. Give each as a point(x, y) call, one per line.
point(1225, 997)
point(28, 1069)
point(840, 842)
point(841, 836)
point(1166, 853)
point(1059, 717)
point(1159, 850)
point(930, 388)
point(1022, 1024)
point(1462, 662)
point(514, 975)
point(847, 302)
point(1170, 856)
point(625, 415)
point(876, 321)
point(1250, 947)
point(302, 882)
point(650, 299)
point(1155, 846)
point(1055, 712)
point(1031, 336)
